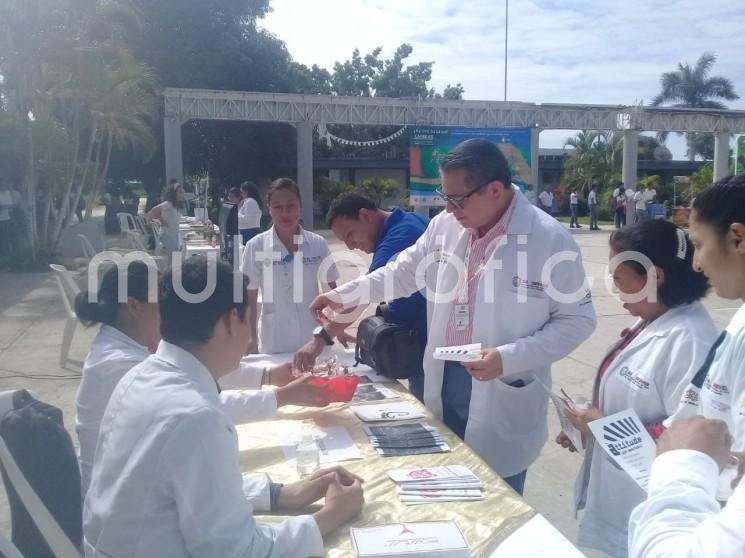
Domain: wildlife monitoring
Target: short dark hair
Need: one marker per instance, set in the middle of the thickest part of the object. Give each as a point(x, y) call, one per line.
point(235, 191)
point(283, 184)
point(482, 161)
point(348, 205)
point(659, 241)
point(722, 203)
point(106, 308)
point(186, 323)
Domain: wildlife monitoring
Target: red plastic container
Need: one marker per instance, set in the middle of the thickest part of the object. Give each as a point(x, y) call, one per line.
point(339, 388)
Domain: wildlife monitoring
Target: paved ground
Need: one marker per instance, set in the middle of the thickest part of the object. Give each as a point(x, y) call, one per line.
point(32, 318)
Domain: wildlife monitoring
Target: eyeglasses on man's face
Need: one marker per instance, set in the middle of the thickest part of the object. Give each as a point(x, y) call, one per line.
point(459, 201)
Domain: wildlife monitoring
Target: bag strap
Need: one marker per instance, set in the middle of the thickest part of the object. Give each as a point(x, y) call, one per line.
point(53, 534)
point(384, 311)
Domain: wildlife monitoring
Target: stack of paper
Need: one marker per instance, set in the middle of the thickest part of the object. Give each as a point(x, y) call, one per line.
point(435, 539)
point(454, 483)
point(372, 392)
point(406, 439)
point(387, 412)
point(334, 445)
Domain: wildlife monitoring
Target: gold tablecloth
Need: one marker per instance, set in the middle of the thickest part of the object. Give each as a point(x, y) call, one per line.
point(484, 523)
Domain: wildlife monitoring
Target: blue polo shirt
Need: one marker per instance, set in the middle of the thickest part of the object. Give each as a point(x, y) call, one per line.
point(401, 230)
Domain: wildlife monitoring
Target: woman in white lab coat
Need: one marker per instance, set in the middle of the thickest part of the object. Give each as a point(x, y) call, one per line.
point(646, 369)
point(129, 333)
point(286, 264)
point(526, 302)
point(168, 214)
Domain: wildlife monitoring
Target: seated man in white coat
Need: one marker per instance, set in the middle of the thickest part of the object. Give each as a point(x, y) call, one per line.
point(681, 517)
point(523, 297)
point(166, 479)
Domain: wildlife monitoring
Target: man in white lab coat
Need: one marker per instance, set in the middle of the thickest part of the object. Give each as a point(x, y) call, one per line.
point(166, 479)
point(681, 517)
point(524, 298)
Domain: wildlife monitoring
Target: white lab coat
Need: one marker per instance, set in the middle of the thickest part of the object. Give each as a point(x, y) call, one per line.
point(681, 517)
point(722, 395)
point(166, 478)
point(287, 287)
point(507, 425)
point(113, 354)
point(249, 214)
point(648, 376)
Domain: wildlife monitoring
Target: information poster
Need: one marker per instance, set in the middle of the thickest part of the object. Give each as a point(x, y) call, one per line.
point(428, 145)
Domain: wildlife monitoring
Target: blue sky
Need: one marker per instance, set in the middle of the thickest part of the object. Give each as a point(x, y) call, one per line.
point(577, 51)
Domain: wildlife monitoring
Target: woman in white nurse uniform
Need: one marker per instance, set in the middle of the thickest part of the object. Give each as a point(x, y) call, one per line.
point(286, 264)
point(646, 370)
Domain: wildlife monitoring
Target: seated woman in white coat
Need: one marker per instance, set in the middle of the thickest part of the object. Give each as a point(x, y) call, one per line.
point(647, 369)
point(496, 271)
point(286, 264)
point(129, 333)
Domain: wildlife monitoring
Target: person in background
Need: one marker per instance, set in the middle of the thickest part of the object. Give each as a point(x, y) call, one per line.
point(592, 202)
point(166, 478)
point(646, 370)
point(530, 194)
point(619, 206)
point(249, 212)
point(640, 206)
point(497, 403)
point(574, 209)
point(681, 517)
point(650, 197)
point(286, 264)
point(129, 332)
point(546, 197)
point(6, 206)
point(168, 214)
point(718, 233)
point(358, 222)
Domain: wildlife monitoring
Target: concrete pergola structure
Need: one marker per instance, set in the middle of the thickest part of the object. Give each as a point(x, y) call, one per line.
point(305, 111)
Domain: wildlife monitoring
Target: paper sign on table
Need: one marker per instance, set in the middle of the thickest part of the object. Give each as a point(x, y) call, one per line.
point(574, 435)
point(334, 444)
point(624, 438)
point(459, 353)
point(441, 539)
point(387, 412)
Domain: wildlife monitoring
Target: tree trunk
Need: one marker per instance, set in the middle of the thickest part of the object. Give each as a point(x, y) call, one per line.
point(104, 171)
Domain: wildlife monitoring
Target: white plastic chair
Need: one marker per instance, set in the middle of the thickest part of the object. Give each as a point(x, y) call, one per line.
point(126, 222)
point(53, 534)
point(88, 250)
point(142, 225)
point(8, 549)
point(68, 291)
point(136, 241)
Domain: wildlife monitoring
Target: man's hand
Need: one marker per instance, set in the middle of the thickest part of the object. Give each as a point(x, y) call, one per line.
point(299, 495)
point(281, 375)
point(329, 300)
point(487, 368)
point(302, 392)
point(305, 357)
point(346, 338)
point(581, 415)
point(343, 502)
point(699, 434)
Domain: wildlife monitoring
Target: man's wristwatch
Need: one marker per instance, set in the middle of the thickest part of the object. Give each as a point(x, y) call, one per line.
point(266, 376)
point(323, 334)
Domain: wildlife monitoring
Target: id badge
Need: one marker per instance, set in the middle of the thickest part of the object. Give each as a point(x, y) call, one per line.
point(461, 317)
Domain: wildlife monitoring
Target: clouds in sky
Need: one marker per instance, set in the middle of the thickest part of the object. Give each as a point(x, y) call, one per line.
point(574, 51)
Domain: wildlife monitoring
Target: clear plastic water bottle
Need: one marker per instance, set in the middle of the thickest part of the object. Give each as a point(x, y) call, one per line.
point(308, 454)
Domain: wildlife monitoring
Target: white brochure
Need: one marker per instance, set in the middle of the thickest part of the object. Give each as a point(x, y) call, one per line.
point(459, 353)
point(627, 442)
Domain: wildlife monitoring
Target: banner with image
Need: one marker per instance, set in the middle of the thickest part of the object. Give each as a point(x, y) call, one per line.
point(429, 144)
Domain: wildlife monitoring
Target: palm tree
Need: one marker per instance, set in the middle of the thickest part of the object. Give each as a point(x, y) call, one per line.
point(691, 87)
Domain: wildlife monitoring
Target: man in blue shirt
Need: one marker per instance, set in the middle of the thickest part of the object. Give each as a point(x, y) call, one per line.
point(360, 224)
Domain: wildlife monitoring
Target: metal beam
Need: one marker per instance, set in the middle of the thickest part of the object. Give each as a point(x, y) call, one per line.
point(305, 171)
point(721, 156)
point(188, 104)
point(630, 154)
